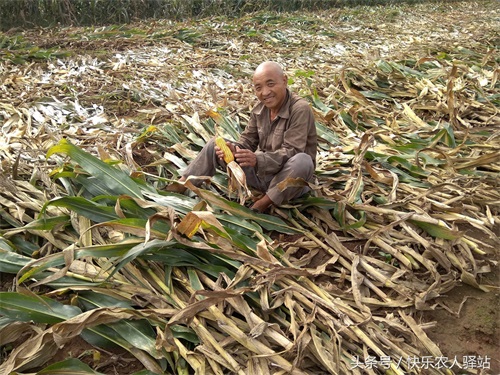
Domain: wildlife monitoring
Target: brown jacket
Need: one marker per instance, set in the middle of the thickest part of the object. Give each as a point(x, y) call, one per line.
point(293, 131)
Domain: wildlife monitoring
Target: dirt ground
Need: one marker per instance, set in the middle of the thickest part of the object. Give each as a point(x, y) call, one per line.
point(468, 326)
point(467, 320)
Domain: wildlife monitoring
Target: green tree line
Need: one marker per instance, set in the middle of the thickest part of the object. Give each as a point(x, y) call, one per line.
point(44, 13)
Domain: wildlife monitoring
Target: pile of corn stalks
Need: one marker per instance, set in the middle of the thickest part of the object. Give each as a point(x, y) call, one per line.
point(407, 178)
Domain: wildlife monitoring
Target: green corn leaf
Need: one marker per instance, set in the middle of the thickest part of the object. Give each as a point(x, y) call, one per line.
point(266, 221)
point(437, 231)
point(446, 136)
point(403, 162)
point(6, 245)
point(410, 143)
point(5, 217)
point(171, 134)
point(231, 128)
point(48, 223)
point(146, 372)
point(194, 280)
point(128, 205)
point(11, 262)
point(174, 255)
point(370, 94)
point(403, 176)
point(327, 134)
point(137, 227)
point(105, 336)
point(229, 265)
point(384, 66)
point(142, 249)
point(346, 117)
point(177, 257)
point(139, 333)
point(247, 243)
point(5, 321)
point(87, 208)
point(70, 366)
point(35, 308)
point(359, 223)
point(73, 281)
point(57, 259)
point(310, 200)
point(38, 266)
point(93, 186)
point(91, 300)
point(107, 250)
point(185, 333)
point(319, 104)
point(392, 162)
point(209, 263)
point(233, 222)
point(119, 183)
point(178, 202)
point(338, 213)
point(304, 73)
point(426, 160)
point(406, 71)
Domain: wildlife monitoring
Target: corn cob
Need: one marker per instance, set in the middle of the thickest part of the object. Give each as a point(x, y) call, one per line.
point(228, 155)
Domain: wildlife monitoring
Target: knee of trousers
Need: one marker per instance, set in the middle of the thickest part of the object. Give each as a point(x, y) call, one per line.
point(299, 165)
point(205, 163)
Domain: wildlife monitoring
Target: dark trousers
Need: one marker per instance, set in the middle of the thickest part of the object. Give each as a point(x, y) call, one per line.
point(298, 166)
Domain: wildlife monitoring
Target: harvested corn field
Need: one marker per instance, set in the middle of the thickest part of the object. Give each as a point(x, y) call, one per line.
point(111, 274)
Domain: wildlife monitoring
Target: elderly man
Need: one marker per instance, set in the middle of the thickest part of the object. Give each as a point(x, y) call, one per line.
point(279, 142)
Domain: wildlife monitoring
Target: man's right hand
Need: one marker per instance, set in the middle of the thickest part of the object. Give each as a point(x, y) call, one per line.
point(245, 158)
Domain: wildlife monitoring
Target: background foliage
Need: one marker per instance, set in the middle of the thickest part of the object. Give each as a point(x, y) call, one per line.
point(30, 13)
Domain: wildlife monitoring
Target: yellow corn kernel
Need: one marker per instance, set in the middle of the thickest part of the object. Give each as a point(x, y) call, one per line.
point(228, 155)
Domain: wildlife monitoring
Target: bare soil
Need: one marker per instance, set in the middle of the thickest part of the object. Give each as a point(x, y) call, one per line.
point(468, 325)
point(467, 319)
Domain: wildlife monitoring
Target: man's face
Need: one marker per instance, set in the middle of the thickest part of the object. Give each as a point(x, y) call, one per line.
point(270, 88)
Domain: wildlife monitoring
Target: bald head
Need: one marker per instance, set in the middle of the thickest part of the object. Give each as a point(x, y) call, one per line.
point(270, 85)
point(269, 67)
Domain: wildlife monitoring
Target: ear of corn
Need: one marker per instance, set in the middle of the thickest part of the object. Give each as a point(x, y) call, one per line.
point(228, 155)
point(237, 178)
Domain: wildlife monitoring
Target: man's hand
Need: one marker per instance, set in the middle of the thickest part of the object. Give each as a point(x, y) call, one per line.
point(245, 158)
point(220, 153)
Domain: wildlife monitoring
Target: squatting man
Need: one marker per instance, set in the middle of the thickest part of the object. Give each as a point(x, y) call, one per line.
point(279, 142)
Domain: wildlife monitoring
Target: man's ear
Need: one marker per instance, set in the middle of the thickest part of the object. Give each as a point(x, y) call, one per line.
point(285, 79)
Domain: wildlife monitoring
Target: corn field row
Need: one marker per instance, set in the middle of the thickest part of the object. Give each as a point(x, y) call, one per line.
point(405, 205)
point(44, 13)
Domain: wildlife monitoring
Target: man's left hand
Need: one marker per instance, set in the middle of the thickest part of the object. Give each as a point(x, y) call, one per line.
point(245, 158)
